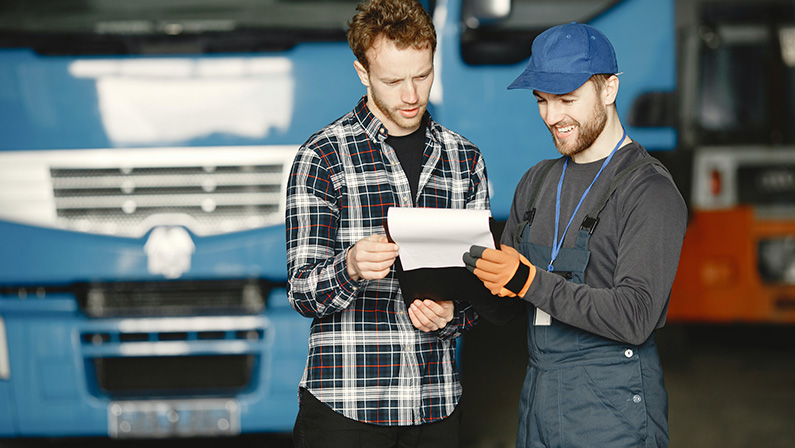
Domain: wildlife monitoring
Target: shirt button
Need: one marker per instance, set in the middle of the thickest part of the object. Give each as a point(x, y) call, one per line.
point(407, 348)
point(636, 398)
point(628, 353)
point(405, 198)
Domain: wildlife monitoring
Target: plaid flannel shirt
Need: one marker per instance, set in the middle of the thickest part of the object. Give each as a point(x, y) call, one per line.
point(366, 359)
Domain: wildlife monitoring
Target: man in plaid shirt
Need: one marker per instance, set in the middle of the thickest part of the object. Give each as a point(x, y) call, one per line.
point(378, 373)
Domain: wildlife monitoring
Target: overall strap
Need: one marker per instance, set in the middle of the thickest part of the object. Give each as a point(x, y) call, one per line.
point(592, 218)
point(530, 210)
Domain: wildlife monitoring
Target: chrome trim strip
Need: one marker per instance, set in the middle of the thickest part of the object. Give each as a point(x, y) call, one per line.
point(5, 364)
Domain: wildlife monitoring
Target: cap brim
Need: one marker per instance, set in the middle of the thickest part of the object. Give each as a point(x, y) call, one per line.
point(554, 83)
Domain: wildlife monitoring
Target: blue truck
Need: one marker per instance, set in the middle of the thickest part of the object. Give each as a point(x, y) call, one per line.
point(143, 153)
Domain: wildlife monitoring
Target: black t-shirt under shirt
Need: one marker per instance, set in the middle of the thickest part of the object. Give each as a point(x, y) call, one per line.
point(409, 149)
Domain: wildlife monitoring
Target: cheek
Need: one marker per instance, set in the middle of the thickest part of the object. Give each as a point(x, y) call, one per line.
point(428, 84)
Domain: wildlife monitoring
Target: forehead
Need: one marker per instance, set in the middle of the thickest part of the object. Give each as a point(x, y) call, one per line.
point(385, 52)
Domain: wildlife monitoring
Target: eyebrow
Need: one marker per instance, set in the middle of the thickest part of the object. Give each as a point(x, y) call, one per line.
point(427, 72)
point(388, 77)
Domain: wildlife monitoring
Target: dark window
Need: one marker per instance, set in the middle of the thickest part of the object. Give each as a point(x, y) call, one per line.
point(746, 74)
point(152, 26)
point(488, 38)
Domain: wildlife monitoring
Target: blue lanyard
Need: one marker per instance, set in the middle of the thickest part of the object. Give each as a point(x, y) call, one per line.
point(558, 243)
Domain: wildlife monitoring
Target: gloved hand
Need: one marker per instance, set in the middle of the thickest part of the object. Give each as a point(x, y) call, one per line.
point(505, 272)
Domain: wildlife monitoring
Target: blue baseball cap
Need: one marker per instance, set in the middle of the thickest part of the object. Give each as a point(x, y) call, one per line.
point(564, 57)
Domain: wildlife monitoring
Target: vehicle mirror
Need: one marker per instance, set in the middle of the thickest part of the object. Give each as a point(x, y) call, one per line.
point(653, 110)
point(483, 12)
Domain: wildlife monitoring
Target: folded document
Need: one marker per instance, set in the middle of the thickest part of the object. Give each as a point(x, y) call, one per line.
point(432, 242)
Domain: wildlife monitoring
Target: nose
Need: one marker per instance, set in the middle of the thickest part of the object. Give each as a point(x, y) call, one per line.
point(409, 93)
point(551, 112)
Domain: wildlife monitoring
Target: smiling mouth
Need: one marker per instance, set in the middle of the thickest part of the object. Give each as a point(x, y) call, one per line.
point(564, 131)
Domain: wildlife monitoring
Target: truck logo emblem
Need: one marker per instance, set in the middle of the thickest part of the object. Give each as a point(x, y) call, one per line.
point(169, 250)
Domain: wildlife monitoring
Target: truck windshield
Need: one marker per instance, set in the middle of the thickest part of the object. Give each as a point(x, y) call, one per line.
point(151, 26)
point(747, 84)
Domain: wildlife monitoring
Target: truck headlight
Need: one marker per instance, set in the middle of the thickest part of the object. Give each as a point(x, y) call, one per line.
point(777, 260)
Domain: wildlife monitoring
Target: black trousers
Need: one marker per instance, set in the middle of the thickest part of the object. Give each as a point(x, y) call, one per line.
point(317, 425)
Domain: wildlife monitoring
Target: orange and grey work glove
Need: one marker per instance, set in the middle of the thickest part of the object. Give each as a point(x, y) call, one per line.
point(505, 272)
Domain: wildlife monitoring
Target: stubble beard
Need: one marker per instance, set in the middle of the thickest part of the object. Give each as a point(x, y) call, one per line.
point(588, 133)
point(409, 124)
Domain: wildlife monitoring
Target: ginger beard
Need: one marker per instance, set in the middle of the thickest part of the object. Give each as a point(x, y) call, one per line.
point(587, 133)
point(410, 117)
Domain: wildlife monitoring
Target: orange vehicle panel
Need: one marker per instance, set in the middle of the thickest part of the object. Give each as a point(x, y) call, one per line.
point(718, 278)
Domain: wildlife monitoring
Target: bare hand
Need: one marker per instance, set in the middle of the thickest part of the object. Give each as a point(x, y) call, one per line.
point(427, 315)
point(371, 257)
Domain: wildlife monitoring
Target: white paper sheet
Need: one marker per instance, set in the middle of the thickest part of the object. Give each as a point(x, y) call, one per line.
point(437, 237)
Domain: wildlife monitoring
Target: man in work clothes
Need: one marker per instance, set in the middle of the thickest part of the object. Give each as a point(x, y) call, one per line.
point(590, 250)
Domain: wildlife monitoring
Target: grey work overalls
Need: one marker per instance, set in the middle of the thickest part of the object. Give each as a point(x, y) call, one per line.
point(581, 389)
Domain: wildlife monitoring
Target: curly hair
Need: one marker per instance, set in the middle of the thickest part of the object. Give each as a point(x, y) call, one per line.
point(405, 22)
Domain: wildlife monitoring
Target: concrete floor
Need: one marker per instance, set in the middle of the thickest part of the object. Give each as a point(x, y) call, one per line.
point(729, 386)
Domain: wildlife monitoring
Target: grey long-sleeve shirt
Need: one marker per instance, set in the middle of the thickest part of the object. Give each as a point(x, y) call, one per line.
point(634, 249)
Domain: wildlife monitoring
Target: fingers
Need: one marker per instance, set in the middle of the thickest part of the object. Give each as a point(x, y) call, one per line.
point(476, 251)
point(494, 267)
point(427, 315)
point(497, 256)
point(371, 257)
point(377, 244)
point(477, 254)
point(469, 261)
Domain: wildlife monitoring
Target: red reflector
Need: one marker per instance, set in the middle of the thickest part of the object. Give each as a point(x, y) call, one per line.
point(715, 182)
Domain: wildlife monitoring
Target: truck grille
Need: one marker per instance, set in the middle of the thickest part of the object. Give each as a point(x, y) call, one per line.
point(211, 201)
point(172, 298)
point(173, 356)
point(127, 192)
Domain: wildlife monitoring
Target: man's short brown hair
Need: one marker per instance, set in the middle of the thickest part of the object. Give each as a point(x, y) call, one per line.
point(600, 80)
point(405, 22)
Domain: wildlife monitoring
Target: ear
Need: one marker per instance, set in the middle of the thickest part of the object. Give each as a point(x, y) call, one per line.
point(610, 90)
point(364, 77)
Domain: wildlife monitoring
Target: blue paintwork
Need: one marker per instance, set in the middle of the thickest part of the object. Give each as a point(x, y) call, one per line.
point(49, 393)
point(55, 257)
point(42, 106)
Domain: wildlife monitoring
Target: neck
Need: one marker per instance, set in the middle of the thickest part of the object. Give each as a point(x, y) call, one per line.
point(605, 143)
